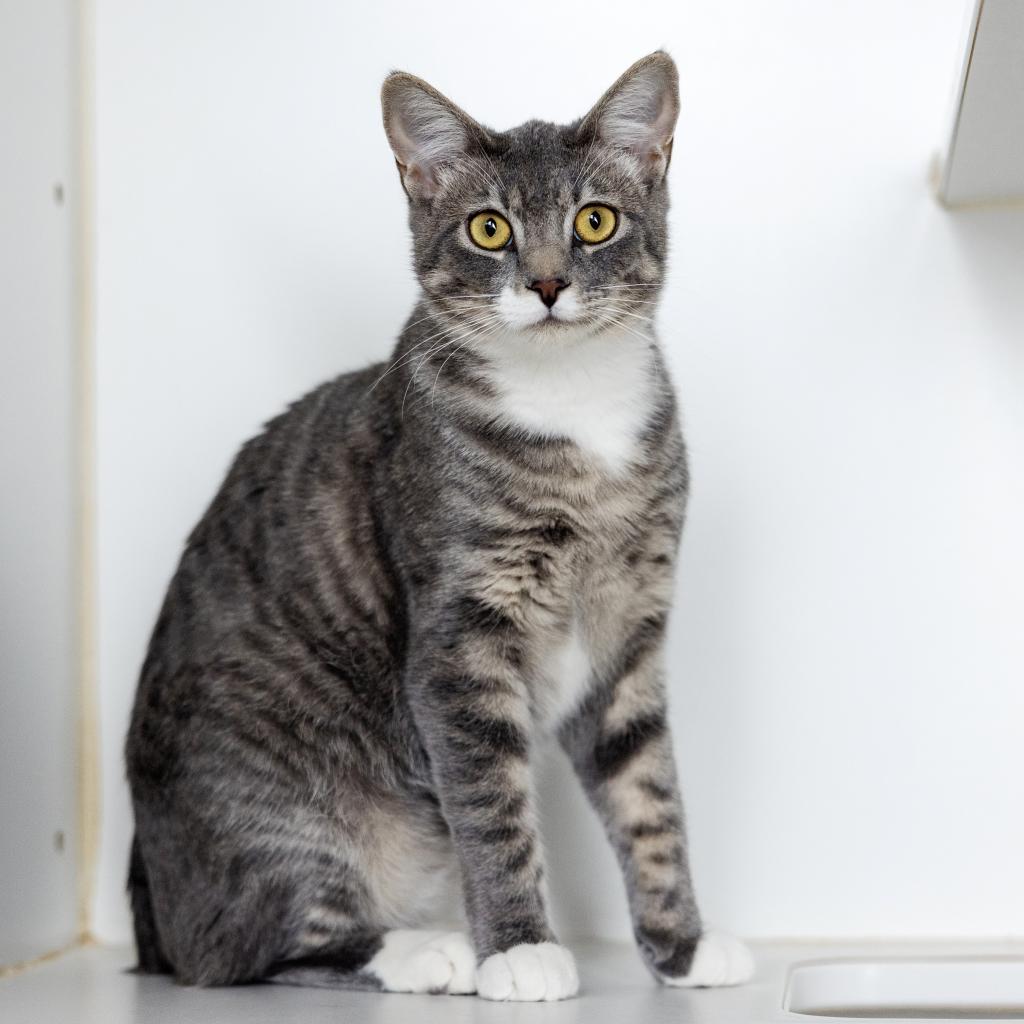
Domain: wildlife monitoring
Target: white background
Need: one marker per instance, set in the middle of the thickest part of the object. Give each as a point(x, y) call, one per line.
point(846, 651)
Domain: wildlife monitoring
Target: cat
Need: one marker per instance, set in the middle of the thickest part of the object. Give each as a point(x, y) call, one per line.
point(416, 571)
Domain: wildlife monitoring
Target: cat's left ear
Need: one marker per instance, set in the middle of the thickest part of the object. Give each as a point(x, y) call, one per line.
point(638, 113)
point(427, 132)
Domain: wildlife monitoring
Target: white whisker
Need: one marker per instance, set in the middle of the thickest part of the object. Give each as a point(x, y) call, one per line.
point(619, 287)
point(611, 321)
point(488, 329)
point(626, 312)
point(474, 329)
point(478, 316)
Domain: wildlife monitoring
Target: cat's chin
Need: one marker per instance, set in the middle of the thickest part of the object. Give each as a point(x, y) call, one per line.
point(555, 330)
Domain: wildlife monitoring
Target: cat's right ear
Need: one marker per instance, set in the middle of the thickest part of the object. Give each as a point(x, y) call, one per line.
point(427, 132)
point(638, 113)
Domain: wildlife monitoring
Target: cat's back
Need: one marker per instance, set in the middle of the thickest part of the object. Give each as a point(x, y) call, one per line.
point(302, 475)
point(284, 582)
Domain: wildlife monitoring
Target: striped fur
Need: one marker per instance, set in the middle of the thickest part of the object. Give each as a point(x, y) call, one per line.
point(409, 575)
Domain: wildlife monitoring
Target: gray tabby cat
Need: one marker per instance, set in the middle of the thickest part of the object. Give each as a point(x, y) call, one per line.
point(416, 571)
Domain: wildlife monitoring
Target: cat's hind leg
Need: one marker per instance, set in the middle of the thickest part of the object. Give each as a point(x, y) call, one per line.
point(260, 936)
point(151, 957)
point(399, 960)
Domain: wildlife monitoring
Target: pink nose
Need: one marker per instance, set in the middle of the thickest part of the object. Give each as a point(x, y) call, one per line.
point(548, 289)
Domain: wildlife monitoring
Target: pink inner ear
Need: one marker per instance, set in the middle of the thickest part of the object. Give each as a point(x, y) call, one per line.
point(639, 113)
point(416, 178)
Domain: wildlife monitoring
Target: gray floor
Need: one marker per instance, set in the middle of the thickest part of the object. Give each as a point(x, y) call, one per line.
point(90, 986)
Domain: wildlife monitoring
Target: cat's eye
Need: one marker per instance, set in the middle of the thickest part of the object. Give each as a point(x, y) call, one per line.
point(595, 223)
point(490, 230)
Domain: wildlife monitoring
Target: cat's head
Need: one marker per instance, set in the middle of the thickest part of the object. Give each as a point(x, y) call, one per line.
point(544, 231)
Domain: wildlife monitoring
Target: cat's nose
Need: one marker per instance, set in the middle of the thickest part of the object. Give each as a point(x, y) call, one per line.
point(548, 289)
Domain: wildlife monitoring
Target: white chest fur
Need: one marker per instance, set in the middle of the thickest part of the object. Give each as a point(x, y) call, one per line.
point(567, 673)
point(596, 391)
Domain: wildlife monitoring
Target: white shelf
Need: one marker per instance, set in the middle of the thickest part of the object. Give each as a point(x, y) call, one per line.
point(984, 161)
point(91, 985)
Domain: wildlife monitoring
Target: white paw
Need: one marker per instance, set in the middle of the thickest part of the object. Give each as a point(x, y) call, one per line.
point(720, 959)
point(422, 961)
point(531, 972)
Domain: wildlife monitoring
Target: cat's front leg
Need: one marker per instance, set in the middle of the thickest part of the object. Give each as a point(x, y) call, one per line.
point(471, 707)
point(621, 747)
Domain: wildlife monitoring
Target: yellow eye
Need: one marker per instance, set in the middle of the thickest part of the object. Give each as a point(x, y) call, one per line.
point(595, 223)
point(490, 230)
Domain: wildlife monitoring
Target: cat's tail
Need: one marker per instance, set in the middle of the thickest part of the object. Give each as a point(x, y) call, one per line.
point(147, 941)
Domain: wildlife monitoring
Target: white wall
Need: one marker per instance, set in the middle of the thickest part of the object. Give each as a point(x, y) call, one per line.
point(846, 650)
point(38, 681)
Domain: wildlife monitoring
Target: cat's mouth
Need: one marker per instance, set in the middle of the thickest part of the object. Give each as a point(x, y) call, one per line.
point(551, 326)
point(553, 320)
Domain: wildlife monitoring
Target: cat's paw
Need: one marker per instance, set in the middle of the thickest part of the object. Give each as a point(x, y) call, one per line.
point(424, 961)
point(531, 972)
point(719, 959)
